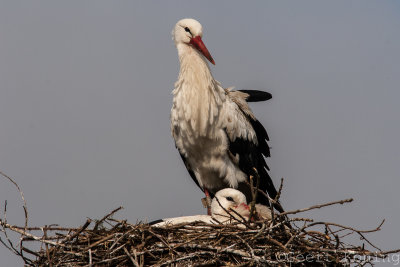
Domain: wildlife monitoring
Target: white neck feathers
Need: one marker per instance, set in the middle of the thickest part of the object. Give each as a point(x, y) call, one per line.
point(197, 95)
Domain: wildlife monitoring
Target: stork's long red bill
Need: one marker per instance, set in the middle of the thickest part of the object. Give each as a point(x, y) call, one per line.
point(198, 43)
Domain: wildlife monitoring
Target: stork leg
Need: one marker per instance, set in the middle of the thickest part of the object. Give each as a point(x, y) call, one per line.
point(208, 201)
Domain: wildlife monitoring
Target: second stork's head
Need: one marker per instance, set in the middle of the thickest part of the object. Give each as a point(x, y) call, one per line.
point(229, 199)
point(189, 32)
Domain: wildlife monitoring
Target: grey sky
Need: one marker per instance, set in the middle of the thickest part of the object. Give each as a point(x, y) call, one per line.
point(86, 89)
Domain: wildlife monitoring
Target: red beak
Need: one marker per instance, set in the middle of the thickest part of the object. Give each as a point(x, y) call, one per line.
point(244, 205)
point(198, 43)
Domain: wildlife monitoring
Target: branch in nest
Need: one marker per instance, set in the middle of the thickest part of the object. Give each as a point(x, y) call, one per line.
point(318, 206)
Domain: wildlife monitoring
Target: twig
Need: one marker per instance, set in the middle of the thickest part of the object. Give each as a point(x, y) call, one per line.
point(135, 263)
point(106, 217)
point(70, 237)
point(317, 206)
point(24, 206)
point(6, 225)
point(22, 196)
point(254, 193)
point(190, 256)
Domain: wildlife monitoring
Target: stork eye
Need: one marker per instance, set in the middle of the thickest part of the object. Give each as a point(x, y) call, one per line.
point(187, 30)
point(229, 199)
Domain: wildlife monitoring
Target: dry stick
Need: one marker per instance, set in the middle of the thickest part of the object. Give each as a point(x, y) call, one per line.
point(135, 263)
point(25, 212)
point(270, 228)
point(6, 225)
point(108, 260)
point(90, 257)
point(253, 201)
point(390, 251)
point(276, 242)
point(191, 239)
point(294, 236)
point(22, 196)
point(254, 192)
point(378, 228)
point(329, 231)
point(359, 232)
point(191, 255)
point(212, 262)
point(48, 228)
point(106, 217)
point(9, 248)
point(290, 240)
point(47, 248)
point(276, 201)
point(318, 206)
point(54, 250)
point(161, 239)
point(271, 207)
point(220, 249)
point(135, 254)
point(11, 245)
point(337, 241)
point(108, 237)
point(269, 198)
point(346, 227)
point(301, 220)
point(118, 239)
point(257, 190)
point(278, 195)
point(273, 201)
point(260, 231)
point(348, 251)
point(70, 237)
point(247, 245)
point(116, 249)
point(31, 252)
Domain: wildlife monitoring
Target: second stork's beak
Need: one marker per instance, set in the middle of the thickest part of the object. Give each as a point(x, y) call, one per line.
point(198, 43)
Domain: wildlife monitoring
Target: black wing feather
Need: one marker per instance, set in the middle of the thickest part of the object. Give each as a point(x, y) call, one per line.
point(251, 156)
point(256, 95)
point(156, 221)
point(262, 138)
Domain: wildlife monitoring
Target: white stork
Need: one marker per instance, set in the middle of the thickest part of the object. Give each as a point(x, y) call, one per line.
point(231, 199)
point(222, 206)
point(216, 133)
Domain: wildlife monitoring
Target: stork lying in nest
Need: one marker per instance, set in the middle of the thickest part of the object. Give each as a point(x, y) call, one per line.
point(228, 206)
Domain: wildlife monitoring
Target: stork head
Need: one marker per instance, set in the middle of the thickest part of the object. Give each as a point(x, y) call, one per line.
point(230, 199)
point(189, 32)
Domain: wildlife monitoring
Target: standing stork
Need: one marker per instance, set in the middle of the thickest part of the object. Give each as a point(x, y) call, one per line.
point(217, 135)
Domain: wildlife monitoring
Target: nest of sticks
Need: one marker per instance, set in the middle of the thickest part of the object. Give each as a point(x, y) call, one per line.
point(282, 241)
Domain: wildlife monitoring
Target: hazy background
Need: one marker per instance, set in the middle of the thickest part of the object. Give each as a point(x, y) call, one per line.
point(85, 97)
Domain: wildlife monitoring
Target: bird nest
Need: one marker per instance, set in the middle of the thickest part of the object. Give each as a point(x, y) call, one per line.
point(281, 241)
